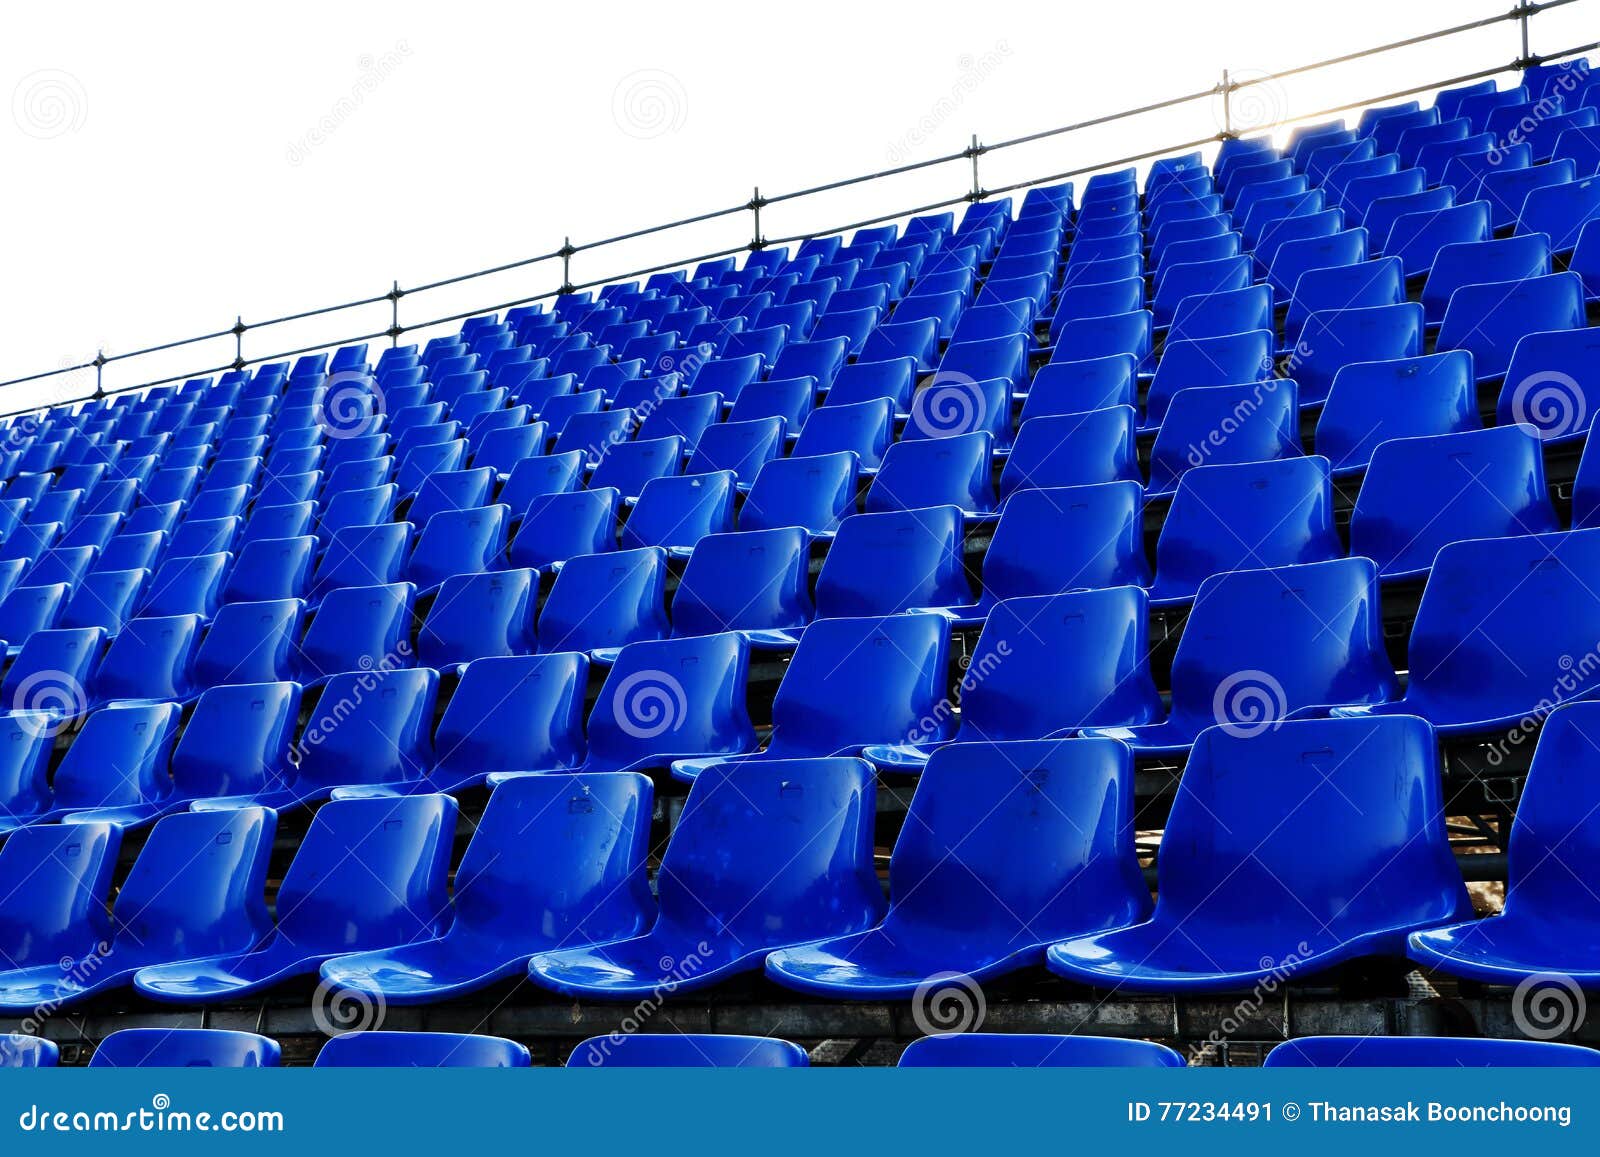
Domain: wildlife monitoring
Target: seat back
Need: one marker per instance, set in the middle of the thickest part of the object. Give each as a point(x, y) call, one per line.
point(513, 713)
point(120, 757)
point(185, 1048)
point(1372, 402)
point(562, 526)
point(478, 615)
point(249, 643)
point(892, 561)
point(1073, 450)
point(54, 881)
point(752, 580)
point(150, 659)
point(606, 600)
point(359, 628)
point(811, 493)
point(369, 727)
point(425, 1050)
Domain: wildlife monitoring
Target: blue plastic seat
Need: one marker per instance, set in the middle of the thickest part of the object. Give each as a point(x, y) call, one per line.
point(1474, 618)
point(1076, 387)
point(1260, 645)
point(1506, 188)
point(1372, 402)
point(222, 861)
point(864, 428)
point(673, 1050)
point(1220, 314)
point(539, 475)
point(765, 856)
point(1271, 867)
point(149, 659)
point(1548, 925)
point(425, 1050)
point(1201, 277)
point(740, 448)
point(675, 513)
point(1215, 361)
point(459, 542)
point(361, 556)
point(1248, 516)
point(891, 561)
point(1303, 243)
point(606, 601)
point(1416, 238)
point(117, 766)
point(358, 628)
point(755, 582)
point(1095, 337)
point(956, 470)
point(366, 507)
point(105, 599)
point(868, 381)
point(1334, 338)
point(368, 874)
point(185, 1048)
point(1398, 1052)
point(187, 586)
point(249, 643)
point(1508, 259)
point(856, 682)
point(449, 490)
point(477, 615)
point(1007, 847)
point(1368, 283)
point(53, 884)
point(1254, 422)
point(562, 526)
point(31, 608)
point(1073, 450)
point(627, 466)
point(1032, 1051)
point(812, 493)
point(1553, 384)
point(556, 862)
point(1423, 493)
point(1490, 318)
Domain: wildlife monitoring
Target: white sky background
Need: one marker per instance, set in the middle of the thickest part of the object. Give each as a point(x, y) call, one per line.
point(164, 175)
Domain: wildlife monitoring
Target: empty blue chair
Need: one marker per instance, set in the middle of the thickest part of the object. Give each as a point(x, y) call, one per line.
point(1073, 450)
point(1271, 866)
point(864, 428)
point(1508, 259)
point(249, 643)
point(1417, 237)
point(1506, 188)
point(1254, 422)
point(558, 527)
point(1334, 338)
point(1489, 319)
point(556, 862)
point(1560, 212)
point(1303, 243)
point(1201, 277)
point(755, 582)
point(1216, 361)
point(1095, 337)
point(627, 466)
point(360, 556)
point(1369, 283)
point(740, 448)
point(53, 884)
point(868, 381)
point(537, 476)
point(1397, 1052)
point(358, 628)
point(477, 615)
point(1262, 644)
point(31, 608)
point(425, 1050)
point(1553, 384)
point(459, 542)
point(1007, 847)
point(675, 513)
point(957, 470)
point(765, 856)
point(1220, 314)
point(605, 601)
point(1423, 493)
point(1549, 914)
point(687, 1051)
point(1482, 595)
point(891, 561)
point(1372, 402)
point(149, 659)
point(222, 862)
point(368, 874)
point(1076, 387)
point(964, 1050)
point(1244, 517)
point(185, 1048)
point(105, 599)
point(812, 493)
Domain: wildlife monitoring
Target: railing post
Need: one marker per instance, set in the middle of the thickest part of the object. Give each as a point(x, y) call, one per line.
point(756, 240)
point(975, 150)
point(1227, 106)
point(566, 252)
point(1524, 10)
point(99, 365)
point(238, 342)
point(395, 294)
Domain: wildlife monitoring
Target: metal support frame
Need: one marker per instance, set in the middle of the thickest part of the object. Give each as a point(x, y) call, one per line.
point(1522, 14)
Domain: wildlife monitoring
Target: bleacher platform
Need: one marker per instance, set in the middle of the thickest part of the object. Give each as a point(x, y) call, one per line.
point(1142, 622)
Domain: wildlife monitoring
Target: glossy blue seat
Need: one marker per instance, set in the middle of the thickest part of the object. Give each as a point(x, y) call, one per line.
point(478, 615)
point(459, 542)
point(1553, 384)
point(1073, 450)
point(1422, 493)
point(1221, 314)
point(359, 556)
point(892, 561)
point(1096, 337)
point(606, 601)
point(1334, 338)
point(562, 526)
point(673, 1050)
point(812, 493)
point(1031, 1051)
point(855, 682)
point(149, 660)
point(1216, 361)
point(1007, 847)
point(755, 582)
point(185, 1048)
point(675, 513)
point(366, 507)
point(249, 643)
point(425, 1050)
point(447, 490)
point(629, 465)
point(740, 448)
point(18, 1051)
point(358, 628)
point(1244, 517)
point(269, 568)
point(1417, 238)
point(222, 863)
point(1067, 387)
point(1373, 402)
point(31, 608)
point(957, 470)
point(1254, 422)
point(539, 475)
point(556, 862)
point(1260, 645)
point(1490, 318)
point(1398, 1052)
point(53, 884)
point(1474, 618)
point(864, 428)
point(187, 586)
point(867, 381)
point(1200, 277)
point(1508, 259)
point(766, 855)
point(950, 405)
point(1271, 866)
point(368, 874)
point(1507, 189)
